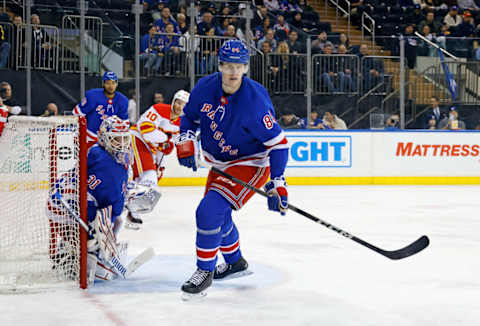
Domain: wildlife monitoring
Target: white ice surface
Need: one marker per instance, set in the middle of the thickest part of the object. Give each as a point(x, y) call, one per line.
point(304, 274)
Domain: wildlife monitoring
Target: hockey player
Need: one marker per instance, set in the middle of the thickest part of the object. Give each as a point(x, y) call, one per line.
point(151, 140)
point(239, 135)
point(100, 103)
point(108, 162)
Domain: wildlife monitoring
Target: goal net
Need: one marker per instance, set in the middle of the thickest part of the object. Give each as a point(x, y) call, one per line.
point(41, 245)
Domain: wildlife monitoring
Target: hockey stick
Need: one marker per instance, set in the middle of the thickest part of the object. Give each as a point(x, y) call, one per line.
point(413, 248)
point(72, 213)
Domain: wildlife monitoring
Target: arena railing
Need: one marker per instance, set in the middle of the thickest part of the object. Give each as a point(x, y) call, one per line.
point(167, 55)
point(70, 43)
point(336, 74)
point(44, 47)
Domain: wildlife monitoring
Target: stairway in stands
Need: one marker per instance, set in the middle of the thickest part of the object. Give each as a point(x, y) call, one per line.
point(420, 90)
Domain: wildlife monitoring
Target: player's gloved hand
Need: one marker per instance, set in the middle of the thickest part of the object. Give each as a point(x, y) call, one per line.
point(277, 195)
point(166, 147)
point(186, 150)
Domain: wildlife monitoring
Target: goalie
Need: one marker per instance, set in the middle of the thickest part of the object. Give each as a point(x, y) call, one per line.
point(108, 163)
point(152, 139)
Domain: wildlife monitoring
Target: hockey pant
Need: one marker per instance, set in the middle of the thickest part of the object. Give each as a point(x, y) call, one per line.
point(147, 166)
point(215, 228)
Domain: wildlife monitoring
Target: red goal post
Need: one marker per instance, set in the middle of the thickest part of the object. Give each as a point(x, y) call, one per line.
point(41, 245)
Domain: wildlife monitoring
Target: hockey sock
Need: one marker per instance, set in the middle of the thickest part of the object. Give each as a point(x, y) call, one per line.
point(210, 216)
point(230, 246)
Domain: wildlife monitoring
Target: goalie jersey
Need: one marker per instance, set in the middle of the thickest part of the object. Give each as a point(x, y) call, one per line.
point(107, 183)
point(96, 105)
point(238, 129)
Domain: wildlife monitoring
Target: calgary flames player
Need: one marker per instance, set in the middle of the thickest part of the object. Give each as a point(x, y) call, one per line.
point(152, 139)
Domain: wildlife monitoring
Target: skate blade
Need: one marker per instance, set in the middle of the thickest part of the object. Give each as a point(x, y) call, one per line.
point(234, 276)
point(132, 226)
point(193, 297)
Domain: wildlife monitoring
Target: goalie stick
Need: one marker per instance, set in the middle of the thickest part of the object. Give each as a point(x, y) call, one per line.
point(119, 268)
point(413, 248)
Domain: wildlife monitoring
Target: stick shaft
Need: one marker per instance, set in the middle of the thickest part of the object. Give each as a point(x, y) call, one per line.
point(409, 250)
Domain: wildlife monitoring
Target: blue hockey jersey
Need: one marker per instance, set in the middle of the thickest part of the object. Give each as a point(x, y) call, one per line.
point(238, 129)
point(96, 105)
point(107, 183)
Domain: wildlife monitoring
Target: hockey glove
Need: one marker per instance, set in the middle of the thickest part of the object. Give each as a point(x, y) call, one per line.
point(186, 150)
point(277, 195)
point(166, 147)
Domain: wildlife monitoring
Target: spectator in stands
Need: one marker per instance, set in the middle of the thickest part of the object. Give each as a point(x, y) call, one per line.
point(467, 27)
point(345, 70)
point(242, 35)
point(451, 122)
point(411, 44)
point(171, 50)
point(272, 5)
point(468, 5)
point(41, 44)
point(416, 17)
point(294, 45)
point(343, 40)
point(290, 5)
point(332, 121)
point(6, 95)
point(209, 48)
point(5, 47)
point(281, 68)
point(435, 26)
point(231, 31)
point(281, 24)
point(290, 121)
point(261, 30)
point(393, 123)
point(297, 22)
point(432, 123)
point(270, 38)
point(157, 8)
point(206, 24)
point(165, 19)
point(212, 8)
point(4, 16)
point(372, 69)
point(50, 110)
point(17, 20)
point(327, 69)
point(259, 15)
point(424, 48)
point(221, 28)
point(319, 43)
point(157, 98)
point(437, 114)
point(452, 19)
point(182, 23)
point(315, 122)
point(149, 53)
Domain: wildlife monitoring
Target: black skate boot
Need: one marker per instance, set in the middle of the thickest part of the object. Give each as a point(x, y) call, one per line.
point(228, 271)
point(133, 221)
point(197, 284)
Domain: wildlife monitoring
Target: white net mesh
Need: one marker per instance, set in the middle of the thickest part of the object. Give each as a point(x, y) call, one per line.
point(39, 240)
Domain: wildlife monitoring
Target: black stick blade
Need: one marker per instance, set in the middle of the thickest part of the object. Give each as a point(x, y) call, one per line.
point(413, 248)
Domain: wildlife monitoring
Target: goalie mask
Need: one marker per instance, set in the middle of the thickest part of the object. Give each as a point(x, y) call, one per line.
point(114, 136)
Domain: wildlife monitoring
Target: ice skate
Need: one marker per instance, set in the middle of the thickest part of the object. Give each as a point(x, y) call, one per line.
point(197, 284)
point(226, 271)
point(133, 221)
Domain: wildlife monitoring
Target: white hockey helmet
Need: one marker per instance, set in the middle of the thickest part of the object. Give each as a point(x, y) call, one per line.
point(180, 95)
point(114, 136)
